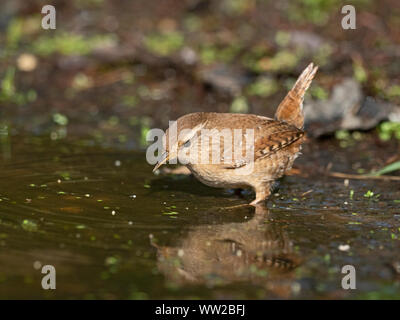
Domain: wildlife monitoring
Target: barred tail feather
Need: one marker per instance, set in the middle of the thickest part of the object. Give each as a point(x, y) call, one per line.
point(290, 109)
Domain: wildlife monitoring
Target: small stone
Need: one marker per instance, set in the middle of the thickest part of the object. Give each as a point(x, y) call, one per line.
point(37, 265)
point(27, 62)
point(344, 247)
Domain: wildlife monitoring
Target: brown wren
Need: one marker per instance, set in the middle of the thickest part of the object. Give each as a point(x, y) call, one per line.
point(227, 150)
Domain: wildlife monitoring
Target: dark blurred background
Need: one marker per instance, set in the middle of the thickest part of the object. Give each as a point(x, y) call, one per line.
point(113, 69)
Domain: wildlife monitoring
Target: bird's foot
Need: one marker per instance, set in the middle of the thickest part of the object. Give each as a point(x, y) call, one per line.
point(263, 192)
point(257, 202)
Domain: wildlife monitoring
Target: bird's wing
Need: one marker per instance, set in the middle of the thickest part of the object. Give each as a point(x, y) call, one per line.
point(269, 137)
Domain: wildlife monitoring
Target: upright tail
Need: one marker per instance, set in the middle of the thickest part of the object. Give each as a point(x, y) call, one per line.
point(290, 109)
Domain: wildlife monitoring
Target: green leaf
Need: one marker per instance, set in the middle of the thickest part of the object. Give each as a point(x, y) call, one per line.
point(389, 168)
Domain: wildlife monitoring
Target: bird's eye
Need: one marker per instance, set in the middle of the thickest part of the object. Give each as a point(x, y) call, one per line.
point(186, 144)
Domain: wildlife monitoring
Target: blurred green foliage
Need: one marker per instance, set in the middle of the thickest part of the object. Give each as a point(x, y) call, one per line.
point(283, 60)
point(393, 91)
point(263, 87)
point(237, 7)
point(347, 138)
point(14, 33)
point(314, 11)
point(318, 12)
point(395, 166)
point(165, 43)
point(239, 105)
point(211, 53)
point(60, 119)
point(387, 130)
point(9, 93)
point(360, 74)
point(71, 44)
point(319, 92)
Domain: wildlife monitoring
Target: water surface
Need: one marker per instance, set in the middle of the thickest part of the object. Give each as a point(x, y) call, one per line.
point(114, 230)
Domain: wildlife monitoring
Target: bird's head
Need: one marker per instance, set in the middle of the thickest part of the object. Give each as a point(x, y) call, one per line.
point(180, 137)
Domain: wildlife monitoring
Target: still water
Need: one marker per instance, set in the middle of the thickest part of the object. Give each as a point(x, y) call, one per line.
point(114, 230)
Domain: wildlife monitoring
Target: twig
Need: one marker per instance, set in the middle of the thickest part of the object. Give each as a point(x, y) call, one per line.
point(341, 175)
point(361, 176)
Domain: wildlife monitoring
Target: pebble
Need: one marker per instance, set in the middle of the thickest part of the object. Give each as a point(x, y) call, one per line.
point(27, 62)
point(344, 247)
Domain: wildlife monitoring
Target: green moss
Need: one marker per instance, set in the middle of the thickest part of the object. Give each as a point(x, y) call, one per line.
point(164, 44)
point(282, 38)
point(342, 135)
point(228, 54)
point(7, 85)
point(239, 105)
point(60, 119)
point(70, 44)
point(192, 23)
point(111, 261)
point(283, 60)
point(388, 130)
point(29, 225)
point(81, 82)
point(263, 87)
point(359, 71)
point(145, 123)
point(129, 101)
point(9, 92)
point(314, 11)
point(319, 92)
point(14, 33)
point(251, 57)
point(237, 7)
point(323, 55)
point(88, 3)
point(209, 53)
point(393, 91)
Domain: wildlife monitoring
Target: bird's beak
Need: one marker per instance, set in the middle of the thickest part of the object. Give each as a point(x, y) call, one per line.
point(165, 157)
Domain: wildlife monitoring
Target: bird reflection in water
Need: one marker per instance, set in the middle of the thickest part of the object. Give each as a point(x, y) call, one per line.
point(257, 251)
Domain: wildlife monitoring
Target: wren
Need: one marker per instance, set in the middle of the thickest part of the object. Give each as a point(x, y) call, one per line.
point(265, 151)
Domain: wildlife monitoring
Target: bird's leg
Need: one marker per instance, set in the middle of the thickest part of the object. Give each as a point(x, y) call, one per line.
point(263, 191)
